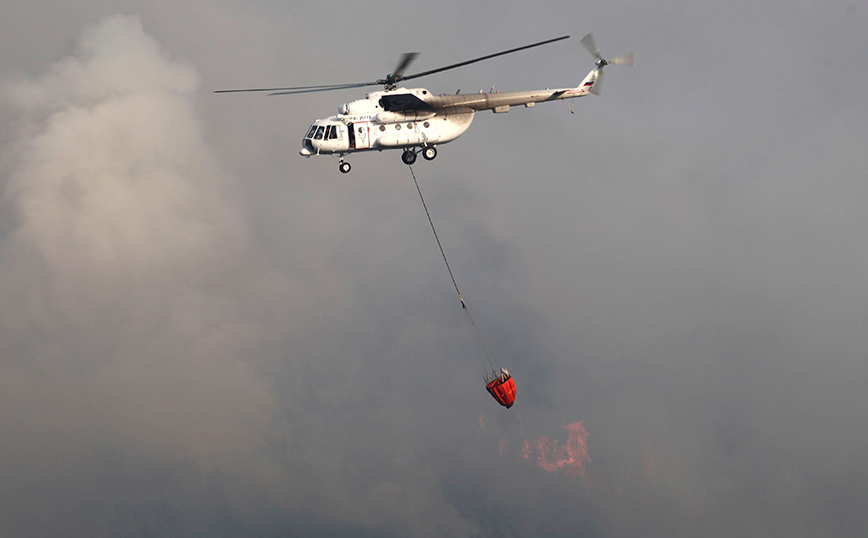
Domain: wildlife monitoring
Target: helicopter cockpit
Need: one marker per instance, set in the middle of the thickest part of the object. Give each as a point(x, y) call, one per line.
point(325, 136)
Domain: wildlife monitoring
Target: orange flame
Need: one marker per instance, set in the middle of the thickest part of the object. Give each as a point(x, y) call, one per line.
point(572, 457)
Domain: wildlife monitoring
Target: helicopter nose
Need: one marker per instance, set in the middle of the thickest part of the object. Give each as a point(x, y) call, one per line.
point(304, 152)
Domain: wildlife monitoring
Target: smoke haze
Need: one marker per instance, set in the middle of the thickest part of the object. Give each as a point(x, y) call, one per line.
point(128, 281)
point(202, 334)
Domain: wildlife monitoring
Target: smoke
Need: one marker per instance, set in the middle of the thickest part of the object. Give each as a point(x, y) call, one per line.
point(141, 324)
point(132, 298)
point(698, 298)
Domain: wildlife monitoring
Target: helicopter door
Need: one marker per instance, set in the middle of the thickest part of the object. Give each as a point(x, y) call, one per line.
point(362, 134)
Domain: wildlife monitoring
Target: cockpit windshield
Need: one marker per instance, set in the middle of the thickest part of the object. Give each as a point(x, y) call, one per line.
point(324, 132)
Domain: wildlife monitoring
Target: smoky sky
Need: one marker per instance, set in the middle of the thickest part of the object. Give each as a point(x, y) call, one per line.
point(204, 334)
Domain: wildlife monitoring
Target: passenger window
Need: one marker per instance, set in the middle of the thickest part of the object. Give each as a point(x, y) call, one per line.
point(319, 132)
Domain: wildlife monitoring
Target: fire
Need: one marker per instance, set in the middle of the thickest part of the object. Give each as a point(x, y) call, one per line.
point(572, 457)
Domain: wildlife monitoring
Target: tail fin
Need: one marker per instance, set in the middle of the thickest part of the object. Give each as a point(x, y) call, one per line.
point(587, 85)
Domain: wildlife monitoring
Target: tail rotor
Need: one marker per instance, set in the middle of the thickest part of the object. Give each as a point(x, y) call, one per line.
point(591, 45)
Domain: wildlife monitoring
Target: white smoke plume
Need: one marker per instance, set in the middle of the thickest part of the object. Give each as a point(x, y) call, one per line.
point(128, 281)
point(140, 322)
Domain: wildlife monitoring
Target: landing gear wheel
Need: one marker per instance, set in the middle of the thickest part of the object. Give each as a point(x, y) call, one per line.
point(429, 153)
point(409, 157)
point(345, 167)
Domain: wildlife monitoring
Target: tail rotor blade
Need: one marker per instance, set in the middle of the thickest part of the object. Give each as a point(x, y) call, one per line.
point(626, 59)
point(588, 42)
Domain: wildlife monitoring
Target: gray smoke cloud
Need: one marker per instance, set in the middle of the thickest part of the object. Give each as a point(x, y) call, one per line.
point(132, 300)
point(203, 334)
point(140, 321)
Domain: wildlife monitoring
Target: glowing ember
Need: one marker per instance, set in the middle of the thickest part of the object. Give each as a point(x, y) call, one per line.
point(572, 457)
point(526, 451)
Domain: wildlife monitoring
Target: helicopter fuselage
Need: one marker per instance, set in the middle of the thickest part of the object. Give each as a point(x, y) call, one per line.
point(412, 118)
point(415, 120)
point(365, 125)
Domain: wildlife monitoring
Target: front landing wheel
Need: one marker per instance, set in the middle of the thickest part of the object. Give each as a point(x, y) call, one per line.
point(409, 157)
point(345, 167)
point(429, 153)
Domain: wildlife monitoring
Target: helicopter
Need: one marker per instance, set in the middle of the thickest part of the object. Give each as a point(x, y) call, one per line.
point(414, 119)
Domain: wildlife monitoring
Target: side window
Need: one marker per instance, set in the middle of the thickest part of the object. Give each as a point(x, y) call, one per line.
point(319, 132)
point(333, 132)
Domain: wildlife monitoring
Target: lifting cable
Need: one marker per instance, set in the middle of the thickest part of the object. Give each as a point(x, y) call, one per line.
point(478, 341)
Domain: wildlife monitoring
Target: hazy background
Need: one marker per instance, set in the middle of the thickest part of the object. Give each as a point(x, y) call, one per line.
point(204, 334)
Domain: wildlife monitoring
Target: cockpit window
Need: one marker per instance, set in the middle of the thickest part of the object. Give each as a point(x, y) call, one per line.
point(311, 132)
point(332, 132)
point(319, 132)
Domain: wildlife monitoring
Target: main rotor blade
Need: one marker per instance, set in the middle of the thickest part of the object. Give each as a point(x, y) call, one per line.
point(324, 89)
point(453, 66)
point(405, 62)
point(303, 89)
point(588, 42)
point(406, 59)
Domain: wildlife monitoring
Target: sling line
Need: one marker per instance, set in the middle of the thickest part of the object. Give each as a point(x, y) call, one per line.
point(436, 236)
point(478, 341)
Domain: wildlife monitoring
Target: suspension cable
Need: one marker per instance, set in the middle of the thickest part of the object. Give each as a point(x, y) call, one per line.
point(412, 173)
point(478, 341)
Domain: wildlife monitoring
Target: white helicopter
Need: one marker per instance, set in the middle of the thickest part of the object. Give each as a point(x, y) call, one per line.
point(415, 120)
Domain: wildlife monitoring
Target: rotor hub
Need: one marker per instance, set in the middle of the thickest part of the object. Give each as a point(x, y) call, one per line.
point(390, 82)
